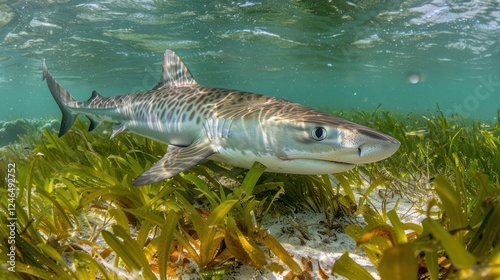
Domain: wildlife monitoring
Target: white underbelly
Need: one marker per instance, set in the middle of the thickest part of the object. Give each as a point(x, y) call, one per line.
point(275, 164)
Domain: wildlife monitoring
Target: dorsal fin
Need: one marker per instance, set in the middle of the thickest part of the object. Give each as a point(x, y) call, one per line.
point(174, 72)
point(95, 95)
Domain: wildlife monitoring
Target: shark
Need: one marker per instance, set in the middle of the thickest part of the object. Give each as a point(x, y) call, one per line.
point(234, 127)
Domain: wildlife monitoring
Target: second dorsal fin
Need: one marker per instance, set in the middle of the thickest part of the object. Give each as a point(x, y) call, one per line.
point(174, 72)
point(95, 96)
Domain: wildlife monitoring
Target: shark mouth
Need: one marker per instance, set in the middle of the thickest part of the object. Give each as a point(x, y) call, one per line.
point(316, 159)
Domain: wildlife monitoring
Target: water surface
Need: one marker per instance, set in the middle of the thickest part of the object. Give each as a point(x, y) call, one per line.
point(406, 56)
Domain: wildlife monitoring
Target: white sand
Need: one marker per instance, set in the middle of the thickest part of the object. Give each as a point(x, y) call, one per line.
point(306, 237)
point(316, 243)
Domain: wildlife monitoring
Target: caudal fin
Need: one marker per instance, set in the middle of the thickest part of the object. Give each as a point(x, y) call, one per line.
point(62, 98)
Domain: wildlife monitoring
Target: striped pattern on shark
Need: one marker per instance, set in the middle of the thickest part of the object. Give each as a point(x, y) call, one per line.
point(231, 126)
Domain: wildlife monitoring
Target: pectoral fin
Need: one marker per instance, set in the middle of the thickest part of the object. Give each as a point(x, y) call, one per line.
point(177, 159)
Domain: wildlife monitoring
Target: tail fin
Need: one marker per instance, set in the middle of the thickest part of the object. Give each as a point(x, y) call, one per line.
point(62, 98)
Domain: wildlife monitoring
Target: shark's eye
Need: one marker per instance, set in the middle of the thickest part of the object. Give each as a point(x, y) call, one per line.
point(318, 133)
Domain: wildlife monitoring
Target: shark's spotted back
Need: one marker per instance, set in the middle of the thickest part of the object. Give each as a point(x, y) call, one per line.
point(236, 127)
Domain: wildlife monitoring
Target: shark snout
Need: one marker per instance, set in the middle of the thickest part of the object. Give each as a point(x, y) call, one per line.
point(375, 146)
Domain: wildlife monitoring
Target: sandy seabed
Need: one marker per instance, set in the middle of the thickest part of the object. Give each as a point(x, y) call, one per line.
point(316, 243)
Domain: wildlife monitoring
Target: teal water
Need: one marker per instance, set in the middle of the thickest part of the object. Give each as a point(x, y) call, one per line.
point(406, 56)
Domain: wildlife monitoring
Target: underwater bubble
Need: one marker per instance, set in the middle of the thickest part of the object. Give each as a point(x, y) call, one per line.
point(414, 77)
